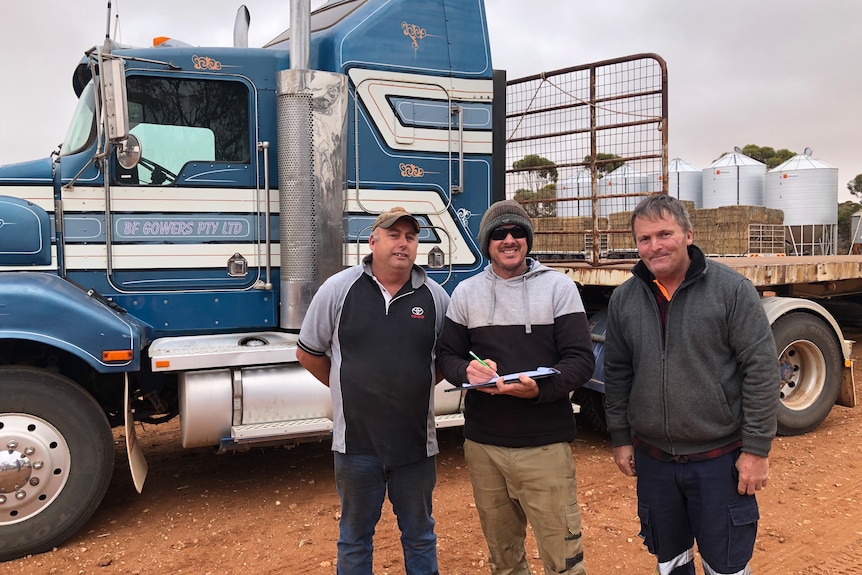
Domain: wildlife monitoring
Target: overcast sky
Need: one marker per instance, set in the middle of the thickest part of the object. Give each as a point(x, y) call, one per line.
point(780, 73)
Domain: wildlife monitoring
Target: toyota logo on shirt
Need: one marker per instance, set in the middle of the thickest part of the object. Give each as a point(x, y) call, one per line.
point(417, 313)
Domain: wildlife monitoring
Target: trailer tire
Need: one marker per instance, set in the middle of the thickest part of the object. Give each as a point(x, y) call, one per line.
point(592, 404)
point(810, 362)
point(64, 450)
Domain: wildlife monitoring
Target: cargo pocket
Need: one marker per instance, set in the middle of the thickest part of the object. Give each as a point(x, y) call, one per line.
point(743, 518)
point(646, 529)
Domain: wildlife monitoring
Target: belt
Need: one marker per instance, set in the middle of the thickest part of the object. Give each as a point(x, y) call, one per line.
point(662, 455)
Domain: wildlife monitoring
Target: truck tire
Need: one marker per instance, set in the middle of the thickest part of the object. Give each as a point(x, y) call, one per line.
point(59, 453)
point(810, 362)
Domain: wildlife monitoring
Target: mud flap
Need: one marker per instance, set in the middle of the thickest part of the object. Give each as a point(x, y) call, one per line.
point(847, 391)
point(137, 461)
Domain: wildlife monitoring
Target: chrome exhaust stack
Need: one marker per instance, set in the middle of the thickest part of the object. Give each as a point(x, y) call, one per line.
point(312, 163)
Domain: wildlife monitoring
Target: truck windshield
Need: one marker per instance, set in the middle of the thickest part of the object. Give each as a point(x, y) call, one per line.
point(81, 128)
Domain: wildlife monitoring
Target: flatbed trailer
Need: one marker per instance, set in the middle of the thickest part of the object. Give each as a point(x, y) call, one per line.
point(792, 276)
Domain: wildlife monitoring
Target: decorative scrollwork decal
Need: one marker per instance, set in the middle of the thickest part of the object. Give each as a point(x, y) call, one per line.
point(464, 216)
point(413, 32)
point(205, 63)
point(411, 171)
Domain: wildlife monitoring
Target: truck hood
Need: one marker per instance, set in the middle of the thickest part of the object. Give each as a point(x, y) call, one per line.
point(30, 172)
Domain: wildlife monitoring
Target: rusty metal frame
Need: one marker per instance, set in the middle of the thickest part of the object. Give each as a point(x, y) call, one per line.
point(592, 119)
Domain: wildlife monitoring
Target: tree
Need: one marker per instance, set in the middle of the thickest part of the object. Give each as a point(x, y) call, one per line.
point(538, 171)
point(854, 186)
point(540, 204)
point(767, 155)
point(540, 195)
point(603, 166)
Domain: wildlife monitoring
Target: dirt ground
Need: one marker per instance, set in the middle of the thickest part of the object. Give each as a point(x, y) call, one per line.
point(275, 511)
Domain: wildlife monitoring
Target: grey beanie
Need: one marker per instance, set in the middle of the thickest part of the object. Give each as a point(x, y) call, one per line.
point(504, 212)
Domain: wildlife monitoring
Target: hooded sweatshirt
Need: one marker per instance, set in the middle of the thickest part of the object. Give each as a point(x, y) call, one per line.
point(533, 320)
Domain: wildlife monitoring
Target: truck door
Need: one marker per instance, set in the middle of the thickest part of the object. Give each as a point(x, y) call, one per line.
point(192, 203)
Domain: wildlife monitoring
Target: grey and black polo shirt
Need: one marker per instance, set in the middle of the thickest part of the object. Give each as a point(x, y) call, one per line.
point(382, 374)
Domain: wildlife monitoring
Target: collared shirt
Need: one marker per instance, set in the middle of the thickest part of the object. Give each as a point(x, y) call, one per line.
point(382, 352)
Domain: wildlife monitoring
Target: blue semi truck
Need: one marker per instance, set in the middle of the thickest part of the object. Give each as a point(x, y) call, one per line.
point(160, 263)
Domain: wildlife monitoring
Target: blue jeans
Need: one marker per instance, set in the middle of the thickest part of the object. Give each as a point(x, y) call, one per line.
point(362, 482)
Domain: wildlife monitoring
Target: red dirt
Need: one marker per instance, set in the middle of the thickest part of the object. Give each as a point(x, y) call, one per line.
point(275, 511)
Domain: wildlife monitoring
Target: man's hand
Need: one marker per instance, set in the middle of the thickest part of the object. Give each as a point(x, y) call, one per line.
point(478, 373)
point(753, 473)
point(624, 457)
point(526, 387)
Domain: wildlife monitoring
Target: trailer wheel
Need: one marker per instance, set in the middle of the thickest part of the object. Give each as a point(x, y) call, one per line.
point(810, 363)
point(56, 460)
point(592, 404)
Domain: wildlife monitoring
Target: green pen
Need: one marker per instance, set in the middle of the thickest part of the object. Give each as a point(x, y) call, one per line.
point(479, 359)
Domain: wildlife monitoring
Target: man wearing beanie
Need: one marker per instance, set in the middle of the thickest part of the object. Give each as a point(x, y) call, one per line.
point(519, 315)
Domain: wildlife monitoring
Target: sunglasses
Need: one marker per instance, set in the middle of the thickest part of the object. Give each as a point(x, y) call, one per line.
point(500, 233)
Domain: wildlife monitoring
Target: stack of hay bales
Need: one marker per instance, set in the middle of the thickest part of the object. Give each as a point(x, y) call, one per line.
point(718, 231)
point(724, 230)
point(563, 235)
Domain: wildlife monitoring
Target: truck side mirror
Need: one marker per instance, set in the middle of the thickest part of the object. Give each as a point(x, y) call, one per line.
point(114, 91)
point(129, 152)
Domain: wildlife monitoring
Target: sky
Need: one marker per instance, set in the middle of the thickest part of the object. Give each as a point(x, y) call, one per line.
point(779, 73)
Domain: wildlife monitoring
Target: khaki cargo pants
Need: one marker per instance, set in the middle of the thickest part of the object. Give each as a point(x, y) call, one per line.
point(537, 484)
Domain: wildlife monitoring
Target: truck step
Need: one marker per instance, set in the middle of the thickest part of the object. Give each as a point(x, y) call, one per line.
point(243, 437)
point(449, 420)
point(255, 432)
point(272, 433)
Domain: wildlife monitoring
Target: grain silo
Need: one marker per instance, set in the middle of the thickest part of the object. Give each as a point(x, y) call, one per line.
point(733, 180)
point(574, 195)
point(685, 182)
point(619, 187)
point(806, 190)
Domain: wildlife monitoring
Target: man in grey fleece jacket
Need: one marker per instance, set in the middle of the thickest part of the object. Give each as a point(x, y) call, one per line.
point(692, 389)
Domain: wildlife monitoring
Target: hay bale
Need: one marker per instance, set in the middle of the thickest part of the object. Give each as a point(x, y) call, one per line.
point(621, 240)
point(564, 235)
point(725, 230)
point(774, 216)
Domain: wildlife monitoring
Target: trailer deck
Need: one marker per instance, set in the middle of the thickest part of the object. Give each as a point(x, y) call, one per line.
point(809, 276)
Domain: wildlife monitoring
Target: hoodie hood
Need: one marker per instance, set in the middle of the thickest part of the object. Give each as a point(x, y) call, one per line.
point(512, 289)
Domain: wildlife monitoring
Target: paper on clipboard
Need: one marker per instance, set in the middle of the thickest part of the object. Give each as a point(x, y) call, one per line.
point(537, 373)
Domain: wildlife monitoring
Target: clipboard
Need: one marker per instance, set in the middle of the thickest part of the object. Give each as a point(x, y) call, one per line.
point(537, 373)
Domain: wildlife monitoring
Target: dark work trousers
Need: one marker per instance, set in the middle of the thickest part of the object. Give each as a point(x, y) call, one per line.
point(680, 502)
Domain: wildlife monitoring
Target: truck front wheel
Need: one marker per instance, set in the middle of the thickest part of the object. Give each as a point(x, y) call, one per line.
point(56, 460)
point(810, 363)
